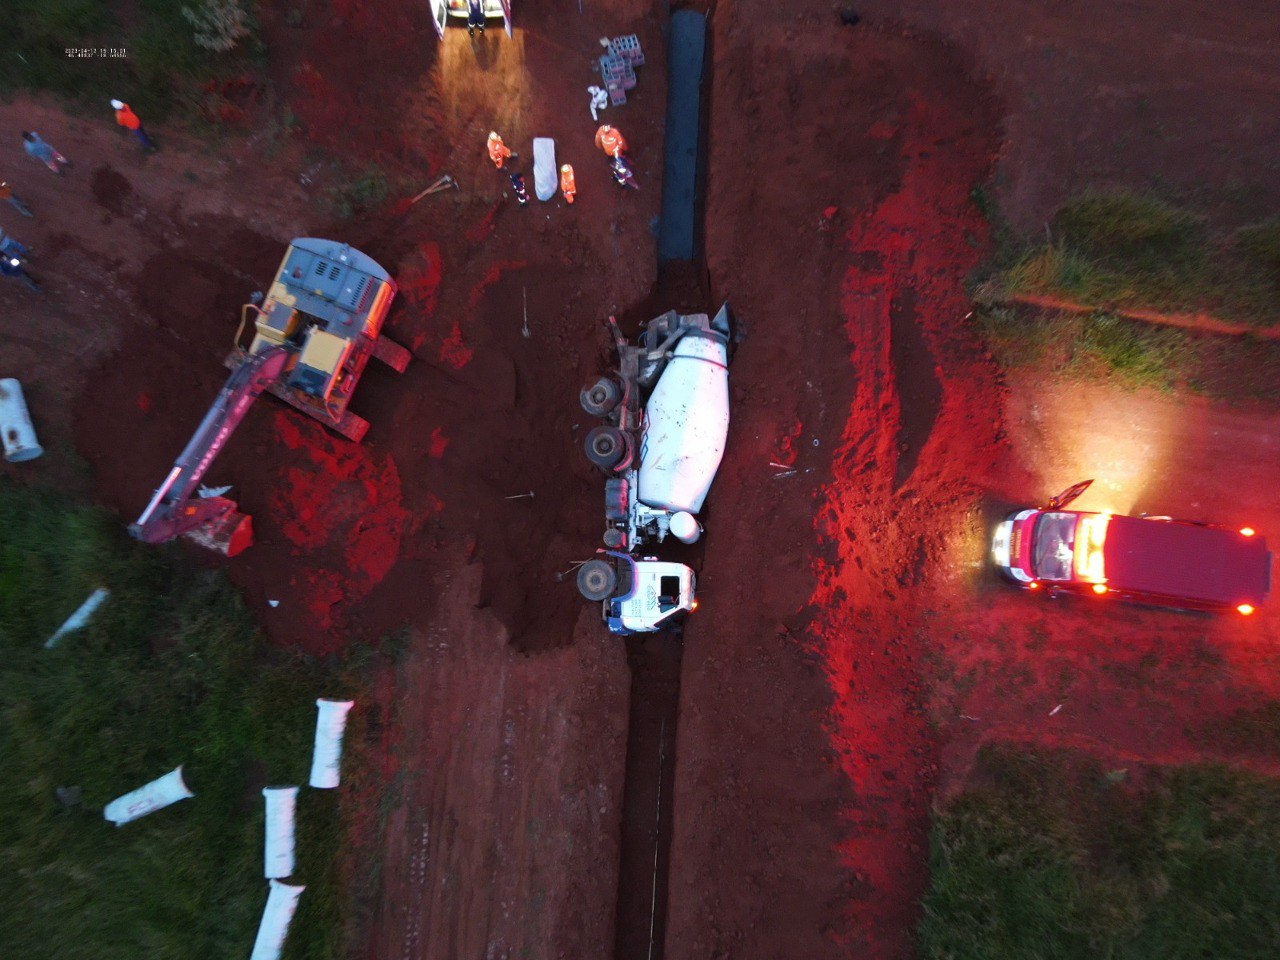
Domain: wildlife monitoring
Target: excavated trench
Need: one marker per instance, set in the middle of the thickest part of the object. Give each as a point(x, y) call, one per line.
point(655, 659)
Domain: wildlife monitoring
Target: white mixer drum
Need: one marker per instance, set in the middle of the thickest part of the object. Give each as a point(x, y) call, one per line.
point(688, 423)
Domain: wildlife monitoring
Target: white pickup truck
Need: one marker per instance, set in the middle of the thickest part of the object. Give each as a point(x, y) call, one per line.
point(666, 412)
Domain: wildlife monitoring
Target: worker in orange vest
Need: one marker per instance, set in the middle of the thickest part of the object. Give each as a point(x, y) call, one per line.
point(129, 120)
point(568, 186)
point(498, 151)
point(610, 141)
point(7, 194)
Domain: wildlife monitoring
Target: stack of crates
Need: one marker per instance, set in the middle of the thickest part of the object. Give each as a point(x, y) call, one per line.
point(617, 67)
point(628, 48)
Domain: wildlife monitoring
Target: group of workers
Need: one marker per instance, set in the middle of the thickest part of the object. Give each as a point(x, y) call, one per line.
point(608, 138)
point(13, 253)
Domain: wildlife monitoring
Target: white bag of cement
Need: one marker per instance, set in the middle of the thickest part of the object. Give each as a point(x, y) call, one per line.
point(282, 904)
point(80, 617)
point(326, 760)
point(154, 796)
point(16, 430)
point(282, 804)
point(546, 175)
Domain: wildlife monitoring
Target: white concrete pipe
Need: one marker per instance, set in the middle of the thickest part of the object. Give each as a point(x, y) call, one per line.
point(331, 723)
point(282, 804)
point(148, 799)
point(282, 904)
point(81, 617)
point(16, 429)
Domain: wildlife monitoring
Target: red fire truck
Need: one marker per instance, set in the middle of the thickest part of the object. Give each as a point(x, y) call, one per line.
point(1155, 560)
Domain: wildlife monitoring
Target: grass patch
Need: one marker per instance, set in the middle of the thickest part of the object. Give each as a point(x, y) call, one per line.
point(1136, 251)
point(1136, 354)
point(1050, 855)
point(360, 194)
point(1131, 352)
point(145, 52)
point(172, 670)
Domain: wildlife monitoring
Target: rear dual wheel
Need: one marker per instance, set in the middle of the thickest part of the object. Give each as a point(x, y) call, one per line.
point(609, 448)
point(601, 397)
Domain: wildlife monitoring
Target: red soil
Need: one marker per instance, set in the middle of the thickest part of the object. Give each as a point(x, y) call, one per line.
point(848, 657)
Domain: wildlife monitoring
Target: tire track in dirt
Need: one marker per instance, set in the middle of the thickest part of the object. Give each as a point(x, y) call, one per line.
point(924, 415)
point(804, 760)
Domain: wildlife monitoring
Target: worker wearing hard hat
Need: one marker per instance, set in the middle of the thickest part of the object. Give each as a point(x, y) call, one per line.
point(610, 141)
point(498, 151)
point(568, 186)
point(130, 121)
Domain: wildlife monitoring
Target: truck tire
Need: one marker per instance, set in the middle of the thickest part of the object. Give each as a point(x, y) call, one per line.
point(601, 397)
point(609, 449)
point(597, 579)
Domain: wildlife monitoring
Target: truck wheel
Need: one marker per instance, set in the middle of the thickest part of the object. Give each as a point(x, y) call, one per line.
point(597, 579)
point(601, 397)
point(608, 448)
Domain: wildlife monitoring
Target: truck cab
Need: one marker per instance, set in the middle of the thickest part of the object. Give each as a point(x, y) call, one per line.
point(1154, 560)
point(638, 595)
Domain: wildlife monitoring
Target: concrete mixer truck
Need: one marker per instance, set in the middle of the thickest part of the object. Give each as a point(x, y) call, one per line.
point(666, 413)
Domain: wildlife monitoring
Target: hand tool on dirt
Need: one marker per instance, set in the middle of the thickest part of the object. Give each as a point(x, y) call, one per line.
point(519, 496)
point(524, 296)
point(443, 183)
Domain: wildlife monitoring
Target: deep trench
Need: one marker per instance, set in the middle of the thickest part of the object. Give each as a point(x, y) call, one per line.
point(655, 659)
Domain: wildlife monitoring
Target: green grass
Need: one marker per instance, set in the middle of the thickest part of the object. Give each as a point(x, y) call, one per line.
point(172, 670)
point(1049, 856)
point(358, 194)
point(1134, 353)
point(1123, 250)
point(159, 73)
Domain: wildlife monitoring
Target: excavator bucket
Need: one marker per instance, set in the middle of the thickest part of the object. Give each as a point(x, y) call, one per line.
point(229, 535)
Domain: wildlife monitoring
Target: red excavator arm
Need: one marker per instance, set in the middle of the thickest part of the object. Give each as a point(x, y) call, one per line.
point(176, 510)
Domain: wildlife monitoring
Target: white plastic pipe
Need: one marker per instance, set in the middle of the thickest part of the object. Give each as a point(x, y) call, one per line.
point(282, 803)
point(282, 904)
point(80, 617)
point(154, 796)
point(331, 723)
point(16, 430)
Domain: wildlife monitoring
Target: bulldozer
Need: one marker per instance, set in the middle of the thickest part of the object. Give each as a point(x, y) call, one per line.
point(314, 332)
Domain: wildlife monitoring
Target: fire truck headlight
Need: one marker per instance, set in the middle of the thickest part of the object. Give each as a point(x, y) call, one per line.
point(1000, 543)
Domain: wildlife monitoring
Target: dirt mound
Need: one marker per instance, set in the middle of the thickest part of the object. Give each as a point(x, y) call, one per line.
point(804, 765)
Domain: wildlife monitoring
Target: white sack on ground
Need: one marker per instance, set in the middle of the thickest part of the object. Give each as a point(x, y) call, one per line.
point(80, 617)
point(17, 434)
point(326, 761)
point(282, 904)
point(282, 803)
point(154, 796)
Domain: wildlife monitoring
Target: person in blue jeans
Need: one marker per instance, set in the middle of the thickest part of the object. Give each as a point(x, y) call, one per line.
point(475, 17)
point(43, 152)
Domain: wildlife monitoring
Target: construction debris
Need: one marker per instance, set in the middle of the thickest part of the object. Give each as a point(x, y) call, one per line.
point(282, 904)
point(16, 430)
point(80, 618)
point(156, 795)
point(326, 760)
point(278, 844)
